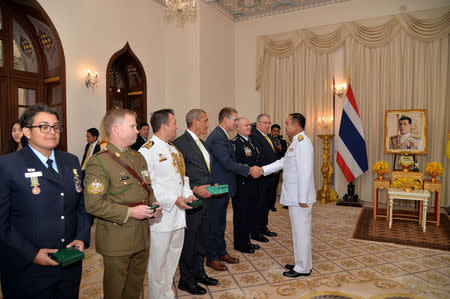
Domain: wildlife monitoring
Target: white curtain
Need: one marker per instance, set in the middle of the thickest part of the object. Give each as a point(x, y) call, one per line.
point(402, 63)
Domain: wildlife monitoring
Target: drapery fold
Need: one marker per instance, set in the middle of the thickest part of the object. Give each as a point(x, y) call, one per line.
point(401, 63)
point(370, 36)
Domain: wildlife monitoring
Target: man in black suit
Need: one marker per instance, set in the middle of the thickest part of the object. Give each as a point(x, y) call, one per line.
point(142, 137)
point(41, 211)
point(198, 161)
point(92, 147)
point(224, 169)
point(281, 146)
point(267, 154)
point(246, 201)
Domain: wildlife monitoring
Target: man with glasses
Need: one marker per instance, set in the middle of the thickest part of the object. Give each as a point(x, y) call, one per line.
point(224, 170)
point(41, 211)
point(268, 153)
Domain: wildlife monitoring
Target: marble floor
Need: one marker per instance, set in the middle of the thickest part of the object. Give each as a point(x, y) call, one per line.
point(342, 267)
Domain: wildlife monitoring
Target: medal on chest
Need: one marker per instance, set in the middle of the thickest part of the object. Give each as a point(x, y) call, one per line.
point(248, 151)
point(77, 180)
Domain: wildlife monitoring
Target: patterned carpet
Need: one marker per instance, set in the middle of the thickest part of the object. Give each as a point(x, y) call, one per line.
point(404, 232)
point(343, 267)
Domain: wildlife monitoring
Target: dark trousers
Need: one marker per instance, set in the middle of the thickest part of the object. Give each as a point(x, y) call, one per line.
point(216, 242)
point(266, 185)
point(195, 244)
point(42, 282)
point(275, 188)
point(245, 204)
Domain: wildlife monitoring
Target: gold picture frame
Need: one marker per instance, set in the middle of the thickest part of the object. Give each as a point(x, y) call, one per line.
point(405, 132)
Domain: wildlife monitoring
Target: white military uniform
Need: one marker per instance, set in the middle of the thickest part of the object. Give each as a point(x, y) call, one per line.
point(298, 187)
point(166, 167)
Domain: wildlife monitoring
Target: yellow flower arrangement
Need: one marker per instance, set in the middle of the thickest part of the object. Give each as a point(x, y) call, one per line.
point(434, 169)
point(406, 183)
point(380, 167)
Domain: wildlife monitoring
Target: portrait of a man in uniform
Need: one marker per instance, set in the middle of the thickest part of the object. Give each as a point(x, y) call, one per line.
point(406, 131)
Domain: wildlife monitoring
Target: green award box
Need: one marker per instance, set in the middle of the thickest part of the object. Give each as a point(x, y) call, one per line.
point(196, 203)
point(217, 189)
point(67, 256)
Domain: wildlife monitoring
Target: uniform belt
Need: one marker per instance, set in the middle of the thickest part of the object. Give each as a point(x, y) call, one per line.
point(134, 204)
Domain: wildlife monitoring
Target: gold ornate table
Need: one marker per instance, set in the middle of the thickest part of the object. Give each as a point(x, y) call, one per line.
point(415, 195)
point(378, 185)
point(435, 187)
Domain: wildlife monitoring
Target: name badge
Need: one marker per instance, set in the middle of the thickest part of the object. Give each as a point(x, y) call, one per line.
point(33, 174)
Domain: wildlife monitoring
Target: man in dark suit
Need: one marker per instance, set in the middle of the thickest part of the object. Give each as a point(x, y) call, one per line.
point(92, 147)
point(224, 169)
point(142, 137)
point(267, 154)
point(41, 211)
point(198, 161)
point(281, 146)
point(246, 200)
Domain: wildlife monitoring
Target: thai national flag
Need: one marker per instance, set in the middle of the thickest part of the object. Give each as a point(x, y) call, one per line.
point(351, 145)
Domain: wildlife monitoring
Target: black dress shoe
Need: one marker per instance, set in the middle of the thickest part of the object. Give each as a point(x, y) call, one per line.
point(253, 246)
point(286, 207)
point(267, 232)
point(289, 267)
point(293, 273)
point(260, 238)
point(273, 209)
point(194, 289)
point(206, 280)
point(246, 250)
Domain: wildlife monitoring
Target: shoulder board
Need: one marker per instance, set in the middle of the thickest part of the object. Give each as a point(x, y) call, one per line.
point(148, 144)
point(300, 137)
point(415, 136)
point(103, 150)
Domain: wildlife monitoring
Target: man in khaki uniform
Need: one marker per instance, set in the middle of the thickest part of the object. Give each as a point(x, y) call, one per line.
point(120, 201)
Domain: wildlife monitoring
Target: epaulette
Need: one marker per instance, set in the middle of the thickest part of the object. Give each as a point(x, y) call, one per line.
point(148, 144)
point(415, 136)
point(300, 137)
point(102, 150)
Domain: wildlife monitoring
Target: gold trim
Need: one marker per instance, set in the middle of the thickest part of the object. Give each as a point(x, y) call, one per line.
point(134, 93)
point(52, 79)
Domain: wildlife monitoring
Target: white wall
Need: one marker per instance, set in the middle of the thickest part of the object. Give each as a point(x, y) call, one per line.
point(91, 32)
point(216, 62)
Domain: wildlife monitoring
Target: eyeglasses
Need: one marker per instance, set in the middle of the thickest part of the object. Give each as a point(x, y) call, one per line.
point(48, 128)
point(231, 118)
point(265, 122)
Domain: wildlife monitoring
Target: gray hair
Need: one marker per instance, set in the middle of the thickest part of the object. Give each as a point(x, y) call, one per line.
point(261, 116)
point(193, 114)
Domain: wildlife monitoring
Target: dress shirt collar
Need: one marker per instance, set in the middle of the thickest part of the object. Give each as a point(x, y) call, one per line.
point(224, 130)
point(261, 132)
point(44, 158)
point(94, 144)
point(246, 138)
point(192, 134)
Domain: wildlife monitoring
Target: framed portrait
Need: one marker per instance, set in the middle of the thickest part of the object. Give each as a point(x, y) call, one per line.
point(405, 132)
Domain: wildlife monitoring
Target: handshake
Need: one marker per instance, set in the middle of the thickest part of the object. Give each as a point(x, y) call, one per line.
point(256, 171)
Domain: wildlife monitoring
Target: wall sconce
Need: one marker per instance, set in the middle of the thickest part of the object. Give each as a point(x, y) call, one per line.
point(340, 92)
point(91, 80)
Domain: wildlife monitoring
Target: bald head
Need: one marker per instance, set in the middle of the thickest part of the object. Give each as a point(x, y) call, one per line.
point(244, 127)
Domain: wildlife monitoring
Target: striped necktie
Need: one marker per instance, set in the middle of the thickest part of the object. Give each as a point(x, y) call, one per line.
point(197, 140)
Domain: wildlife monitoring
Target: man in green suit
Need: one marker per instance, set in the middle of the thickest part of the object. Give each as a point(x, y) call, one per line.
point(118, 193)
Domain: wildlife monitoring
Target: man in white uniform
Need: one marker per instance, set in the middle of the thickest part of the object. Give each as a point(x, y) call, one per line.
point(171, 188)
point(298, 192)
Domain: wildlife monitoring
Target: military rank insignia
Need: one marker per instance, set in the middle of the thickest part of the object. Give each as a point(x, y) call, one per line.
point(77, 180)
point(300, 137)
point(148, 144)
point(95, 187)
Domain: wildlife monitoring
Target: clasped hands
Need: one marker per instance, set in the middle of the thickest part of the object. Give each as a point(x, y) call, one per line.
point(256, 171)
point(143, 211)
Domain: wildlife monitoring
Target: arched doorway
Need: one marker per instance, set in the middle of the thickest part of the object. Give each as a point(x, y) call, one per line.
point(127, 83)
point(32, 68)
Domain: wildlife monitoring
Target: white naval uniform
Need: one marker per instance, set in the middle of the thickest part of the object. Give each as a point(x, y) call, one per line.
point(166, 232)
point(298, 187)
